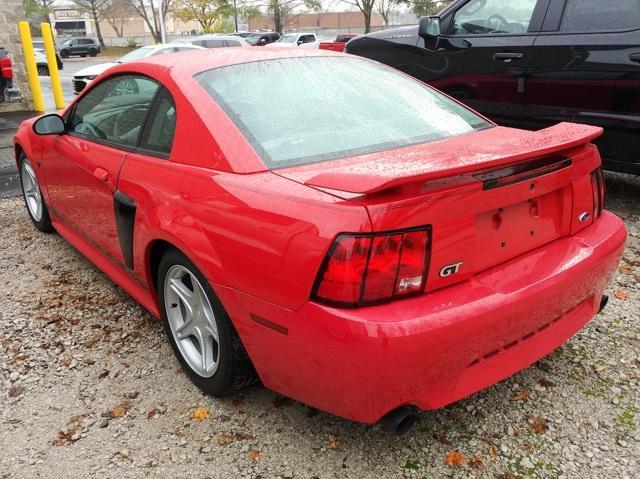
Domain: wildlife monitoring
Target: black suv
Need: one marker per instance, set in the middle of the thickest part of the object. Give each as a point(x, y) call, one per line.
point(531, 63)
point(262, 39)
point(81, 46)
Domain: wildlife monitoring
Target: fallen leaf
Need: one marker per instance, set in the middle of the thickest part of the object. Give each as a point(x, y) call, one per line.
point(476, 462)
point(442, 439)
point(334, 441)
point(224, 439)
point(521, 395)
point(626, 269)
point(179, 432)
point(255, 454)
point(238, 402)
point(199, 414)
point(526, 447)
point(118, 411)
point(493, 453)
point(243, 436)
point(545, 383)
point(621, 294)
point(15, 391)
point(62, 439)
point(598, 368)
point(538, 425)
point(454, 458)
point(152, 413)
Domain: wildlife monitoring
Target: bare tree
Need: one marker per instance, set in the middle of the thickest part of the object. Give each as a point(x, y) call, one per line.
point(366, 8)
point(150, 13)
point(384, 7)
point(283, 10)
point(118, 14)
point(96, 9)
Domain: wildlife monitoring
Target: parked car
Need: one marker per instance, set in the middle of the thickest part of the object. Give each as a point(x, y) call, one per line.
point(80, 46)
point(338, 44)
point(6, 73)
point(42, 64)
point(85, 76)
point(262, 39)
point(219, 41)
point(409, 253)
point(302, 39)
point(530, 64)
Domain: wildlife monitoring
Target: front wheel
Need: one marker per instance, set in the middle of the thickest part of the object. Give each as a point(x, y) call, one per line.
point(64, 53)
point(32, 194)
point(93, 52)
point(199, 329)
point(43, 70)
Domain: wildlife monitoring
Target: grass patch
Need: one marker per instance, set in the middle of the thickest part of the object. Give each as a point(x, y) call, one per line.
point(627, 418)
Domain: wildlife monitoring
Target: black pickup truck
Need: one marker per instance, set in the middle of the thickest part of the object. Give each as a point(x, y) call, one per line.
point(531, 63)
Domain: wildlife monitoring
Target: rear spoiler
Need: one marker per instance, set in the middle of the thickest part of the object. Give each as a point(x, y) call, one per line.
point(531, 145)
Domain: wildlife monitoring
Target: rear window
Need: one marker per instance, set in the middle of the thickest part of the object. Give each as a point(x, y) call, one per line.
point(596, 15)
point(296, 111)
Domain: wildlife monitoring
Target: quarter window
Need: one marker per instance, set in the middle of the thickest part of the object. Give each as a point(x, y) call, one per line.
point(115, 110)
point(493, 17)
point(598, 15)
point(159, 130)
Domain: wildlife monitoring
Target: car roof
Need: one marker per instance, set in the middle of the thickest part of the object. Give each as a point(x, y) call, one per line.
point(192, 62)
point(298, 33)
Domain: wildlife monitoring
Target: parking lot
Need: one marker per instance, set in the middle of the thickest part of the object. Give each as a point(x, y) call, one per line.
point(91, 388)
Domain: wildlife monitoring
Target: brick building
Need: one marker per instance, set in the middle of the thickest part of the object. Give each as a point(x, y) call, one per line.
point(333, 21)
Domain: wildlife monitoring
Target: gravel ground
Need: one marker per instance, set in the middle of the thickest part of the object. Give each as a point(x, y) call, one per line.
point(90, 387)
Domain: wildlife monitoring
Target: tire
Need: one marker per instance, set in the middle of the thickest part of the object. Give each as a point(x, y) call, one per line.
point(32, 195)
point(43, 70)
point(64, 53)
point(93, 52)
point(231, 370)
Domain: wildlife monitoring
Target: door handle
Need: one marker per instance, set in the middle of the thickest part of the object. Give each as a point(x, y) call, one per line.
point(635, 57)
point(508, 56)
point(101, 174)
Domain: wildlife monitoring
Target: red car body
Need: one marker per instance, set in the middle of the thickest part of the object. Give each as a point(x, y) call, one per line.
point(532, 251)
point(338, 44)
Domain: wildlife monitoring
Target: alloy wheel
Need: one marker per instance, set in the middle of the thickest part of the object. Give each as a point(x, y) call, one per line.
point(191, 320)
point(31, 189)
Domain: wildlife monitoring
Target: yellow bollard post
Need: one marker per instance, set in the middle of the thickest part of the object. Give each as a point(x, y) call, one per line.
point(30, 64)
point(54, 74)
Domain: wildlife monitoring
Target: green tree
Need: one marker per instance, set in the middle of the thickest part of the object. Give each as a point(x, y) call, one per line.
point(36, 12)
point(283, 10)
point(205, 12)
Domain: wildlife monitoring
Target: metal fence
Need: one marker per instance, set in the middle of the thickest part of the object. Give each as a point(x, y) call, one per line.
point(321, 33)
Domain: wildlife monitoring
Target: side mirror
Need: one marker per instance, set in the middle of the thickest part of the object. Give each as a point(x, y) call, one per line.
point(429, 30)
point(299, 42)
point(51, 124)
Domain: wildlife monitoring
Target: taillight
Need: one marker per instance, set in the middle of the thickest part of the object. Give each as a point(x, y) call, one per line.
point(598, 188)
point(364, 269)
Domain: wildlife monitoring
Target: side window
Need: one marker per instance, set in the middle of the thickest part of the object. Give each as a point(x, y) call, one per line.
point(492, 17)
point(159, 130)
point(163, 51)
point(307, 39)
point(233, 43)
point(114, 110)
point(215, 44)
point(596, 15)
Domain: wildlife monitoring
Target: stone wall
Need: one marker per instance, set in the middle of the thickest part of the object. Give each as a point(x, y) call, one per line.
point(11, 12)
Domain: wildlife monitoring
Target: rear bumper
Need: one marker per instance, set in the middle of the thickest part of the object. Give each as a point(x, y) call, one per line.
point(435, 349)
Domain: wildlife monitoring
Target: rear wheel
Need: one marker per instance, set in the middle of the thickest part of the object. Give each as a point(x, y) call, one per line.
point(93, 52)
point(32, 194)
point(199, 329)
point(43, 70)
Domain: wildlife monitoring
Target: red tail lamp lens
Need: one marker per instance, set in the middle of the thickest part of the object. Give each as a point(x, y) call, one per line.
point(361, 270)
point(598, 186)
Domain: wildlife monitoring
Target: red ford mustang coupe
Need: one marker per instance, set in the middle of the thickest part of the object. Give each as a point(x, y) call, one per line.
point(362, 242)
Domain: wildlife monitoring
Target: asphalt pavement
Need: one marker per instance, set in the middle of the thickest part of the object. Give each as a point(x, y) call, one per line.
point(9, 122)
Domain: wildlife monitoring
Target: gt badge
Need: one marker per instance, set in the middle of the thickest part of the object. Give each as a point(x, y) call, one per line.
point(450, 269)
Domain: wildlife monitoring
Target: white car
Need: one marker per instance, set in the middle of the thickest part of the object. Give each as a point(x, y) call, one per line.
point(298, 39)
point(219, 41)
point(87, 75)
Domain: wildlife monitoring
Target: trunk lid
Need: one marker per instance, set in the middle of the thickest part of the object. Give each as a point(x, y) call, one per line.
point(488, 196)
